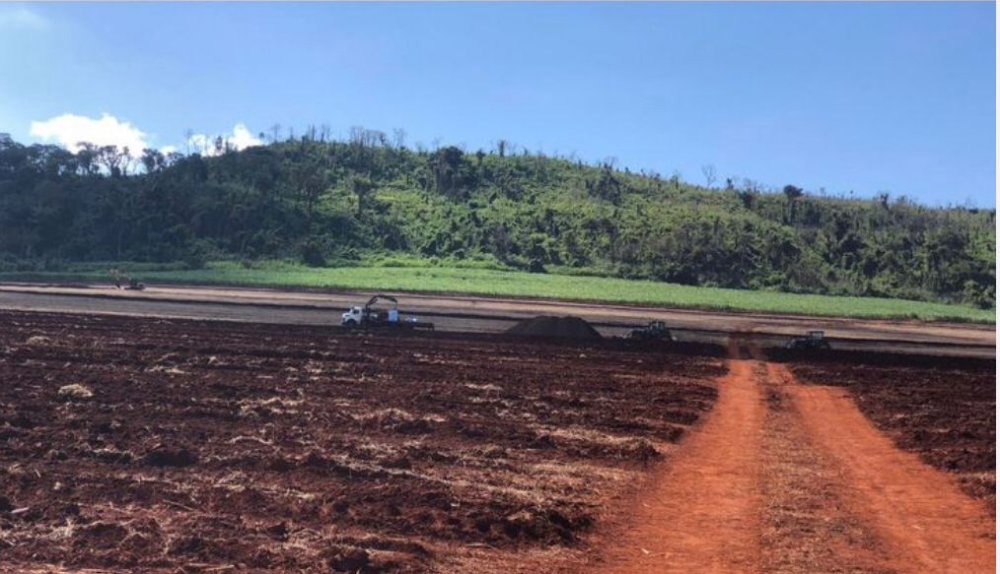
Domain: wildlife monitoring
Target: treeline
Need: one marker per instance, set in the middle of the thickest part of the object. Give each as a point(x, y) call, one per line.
point(330, 202)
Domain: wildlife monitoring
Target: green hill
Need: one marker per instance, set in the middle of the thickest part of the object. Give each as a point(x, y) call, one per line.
point(333, 203)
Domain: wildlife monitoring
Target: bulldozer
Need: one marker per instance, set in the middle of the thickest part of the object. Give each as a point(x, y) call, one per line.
point(372, 316)
point(814, 340)
point(653, 331)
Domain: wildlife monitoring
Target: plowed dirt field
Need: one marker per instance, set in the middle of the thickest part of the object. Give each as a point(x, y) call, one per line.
point(153, 445)
point(168, 445)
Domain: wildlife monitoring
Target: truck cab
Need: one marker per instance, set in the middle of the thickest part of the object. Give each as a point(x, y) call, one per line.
point(367, 315)
point(352, 317)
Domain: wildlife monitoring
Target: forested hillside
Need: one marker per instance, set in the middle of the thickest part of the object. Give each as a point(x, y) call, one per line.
point(333, 202)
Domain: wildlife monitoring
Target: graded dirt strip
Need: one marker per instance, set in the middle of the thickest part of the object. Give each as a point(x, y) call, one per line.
point(806, 525)
point(784, 477)
point(17, 295)
point(702, 515)
point(926, 522)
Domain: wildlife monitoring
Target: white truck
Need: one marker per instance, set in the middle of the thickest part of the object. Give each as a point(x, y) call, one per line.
point(371, 316)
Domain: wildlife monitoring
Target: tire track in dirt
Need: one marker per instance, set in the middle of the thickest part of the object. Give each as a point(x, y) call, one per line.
point(926, 523)
point(702, 515)
point(806, 525)
point(783, 477)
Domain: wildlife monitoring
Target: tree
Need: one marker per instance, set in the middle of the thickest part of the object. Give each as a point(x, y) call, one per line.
point(366, 138)
point(362, 187)
point(792, 193)
point(311, 181)
point(278, 200)
point(153, 160)
point(114, 160)
point(445, 165)
point(883, 200)
point(709, 172)
point(399, 138)
point(86, 157)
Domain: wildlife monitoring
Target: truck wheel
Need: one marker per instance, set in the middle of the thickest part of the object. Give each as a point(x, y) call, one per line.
point(350, 323)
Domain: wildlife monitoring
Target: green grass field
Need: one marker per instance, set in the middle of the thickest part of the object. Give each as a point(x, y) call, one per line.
point(387, 276)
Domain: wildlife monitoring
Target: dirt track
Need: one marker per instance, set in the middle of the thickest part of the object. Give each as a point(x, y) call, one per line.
point(702, 515)
point(924, 520)
point(483, 314)
point(785, 477)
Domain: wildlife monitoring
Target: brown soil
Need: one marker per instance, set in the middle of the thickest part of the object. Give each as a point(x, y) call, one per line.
point(701, 516)
point(944, 410)
point(923, 519)
point(806, 526)
point(784, 477)
point(256, 448)
point(573, 328)
point(183, 446)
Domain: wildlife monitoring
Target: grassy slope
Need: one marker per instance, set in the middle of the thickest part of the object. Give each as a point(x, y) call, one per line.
point(519, 284)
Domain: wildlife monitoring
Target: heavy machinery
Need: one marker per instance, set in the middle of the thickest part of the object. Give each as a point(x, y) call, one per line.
point(653, 331)
point(814, 340)
point(123, 281)
point(373, 316)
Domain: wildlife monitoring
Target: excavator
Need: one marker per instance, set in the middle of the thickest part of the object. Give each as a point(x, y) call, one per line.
point(372, 316)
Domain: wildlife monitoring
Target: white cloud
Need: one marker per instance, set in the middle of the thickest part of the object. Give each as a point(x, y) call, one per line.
point(240, 139)
point(21, 19)
point(243, 138)
point(69, 130)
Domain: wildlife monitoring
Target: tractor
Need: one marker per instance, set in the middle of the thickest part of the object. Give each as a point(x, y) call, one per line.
point(653, 331)
point(814, 340)
point(126, 282)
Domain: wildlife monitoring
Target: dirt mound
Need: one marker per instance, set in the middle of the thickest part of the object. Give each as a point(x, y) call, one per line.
point(557, 327)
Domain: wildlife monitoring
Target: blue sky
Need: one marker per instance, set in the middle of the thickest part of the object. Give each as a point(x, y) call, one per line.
point(848, 97)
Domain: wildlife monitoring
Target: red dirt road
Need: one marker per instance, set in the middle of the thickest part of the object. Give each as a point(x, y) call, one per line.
point(702, 516)
point(784, 477)
point(919, 512)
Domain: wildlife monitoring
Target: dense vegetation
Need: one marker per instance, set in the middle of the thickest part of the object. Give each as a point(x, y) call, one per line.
point(396, 274)
point(333, 202)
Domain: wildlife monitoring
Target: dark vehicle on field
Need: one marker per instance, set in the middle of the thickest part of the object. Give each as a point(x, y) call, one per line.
point(126, 282)
point(814, 340)
point(654, 331)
